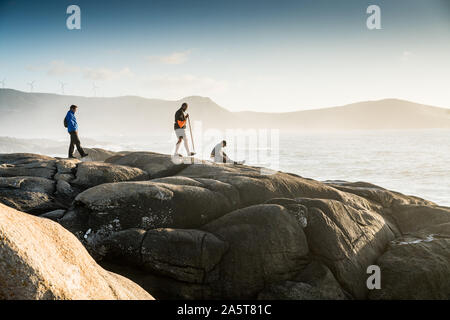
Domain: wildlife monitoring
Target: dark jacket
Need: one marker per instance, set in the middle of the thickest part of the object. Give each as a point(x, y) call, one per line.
point(179, 116)
point(72, 124)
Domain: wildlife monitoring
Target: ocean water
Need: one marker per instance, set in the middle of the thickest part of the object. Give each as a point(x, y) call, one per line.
point(413, 162)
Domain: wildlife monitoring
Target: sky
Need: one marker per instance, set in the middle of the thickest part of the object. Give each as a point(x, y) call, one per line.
point(269, 56)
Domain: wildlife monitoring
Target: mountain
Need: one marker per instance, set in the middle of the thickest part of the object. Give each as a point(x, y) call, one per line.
point(369, 115)
point(41, 115)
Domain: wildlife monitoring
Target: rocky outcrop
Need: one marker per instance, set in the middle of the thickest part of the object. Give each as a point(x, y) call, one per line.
point(90, 174)
point(98, 154)
point(415, 267)
point(60, 269)
point(189, 229)
point(155, 164)
point(315, 282)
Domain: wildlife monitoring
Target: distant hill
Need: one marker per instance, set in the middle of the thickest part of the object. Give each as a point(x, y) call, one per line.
point(41, 114)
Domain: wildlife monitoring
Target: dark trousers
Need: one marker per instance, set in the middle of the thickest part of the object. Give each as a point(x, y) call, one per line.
point(75, 141)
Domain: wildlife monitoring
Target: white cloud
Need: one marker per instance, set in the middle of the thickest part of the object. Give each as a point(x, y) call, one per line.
point(183, 85)
point(173, 58)
point(106, 74)
point(59, 67)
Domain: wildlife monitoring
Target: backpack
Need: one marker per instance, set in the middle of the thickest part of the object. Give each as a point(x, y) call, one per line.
point(65, 123)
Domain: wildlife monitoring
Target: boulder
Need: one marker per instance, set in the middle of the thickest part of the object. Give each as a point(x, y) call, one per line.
point(347, 239)
point(315, 282)
point(97, 154)
point(384, 197)
point(257, 188)
point(185, 255)
point(64, 189)
point(53, 215)
point(416, 268)
point(266, 245)
point(66, 166)
point(24, 164)
point(29, 194)
point(60, 269)
point(155, 164)
point(149, 205)
point(90, 174)
point(414, 218)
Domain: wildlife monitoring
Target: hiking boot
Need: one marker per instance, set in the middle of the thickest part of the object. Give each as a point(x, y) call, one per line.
point(85, 155)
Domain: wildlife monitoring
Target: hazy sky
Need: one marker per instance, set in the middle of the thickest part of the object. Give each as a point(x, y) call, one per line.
point(246, 55)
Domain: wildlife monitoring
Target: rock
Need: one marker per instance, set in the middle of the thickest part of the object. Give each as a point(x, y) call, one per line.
point(96, 154)
point(185, 255)
point(64, 189)
point(347, 239)
point(315, 282)
point(414, 218)
point(53, 215)
point(415, 268)
point(68, 272)
point(150, 205)
point(68, 177)
point(155, 164)
point(257, 188)
point(123, 247)
point(67, 166)
point(24, 164)
point(90, 174)
point(266, 245)
point(29, 194)
point(384, 197)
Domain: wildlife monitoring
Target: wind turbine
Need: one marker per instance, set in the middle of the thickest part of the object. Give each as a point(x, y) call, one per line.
point(3, 83)
point(31, 84)
point(62, 86)
point(94, 88)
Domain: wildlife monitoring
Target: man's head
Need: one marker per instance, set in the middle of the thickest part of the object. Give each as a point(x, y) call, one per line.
point(224, 143)
point(73, 108)
point(184, 106)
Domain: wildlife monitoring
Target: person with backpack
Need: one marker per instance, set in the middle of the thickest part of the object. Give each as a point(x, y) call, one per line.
point(180, 129)
point(70, 122)
point(219, 156)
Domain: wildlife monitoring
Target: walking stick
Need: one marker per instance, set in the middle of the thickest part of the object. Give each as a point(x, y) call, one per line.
point(192, 137)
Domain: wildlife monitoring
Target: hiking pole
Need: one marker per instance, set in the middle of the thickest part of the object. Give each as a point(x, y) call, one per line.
point(192, 137)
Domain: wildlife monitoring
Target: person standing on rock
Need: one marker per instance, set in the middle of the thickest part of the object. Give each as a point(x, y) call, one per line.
point(70, 122)
point(218, 155)
point(180, 129)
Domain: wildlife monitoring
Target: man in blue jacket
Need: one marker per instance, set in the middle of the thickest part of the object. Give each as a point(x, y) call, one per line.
point(72, 128)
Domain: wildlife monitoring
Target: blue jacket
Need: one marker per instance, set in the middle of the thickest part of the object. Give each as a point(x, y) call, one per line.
point(72, 124)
